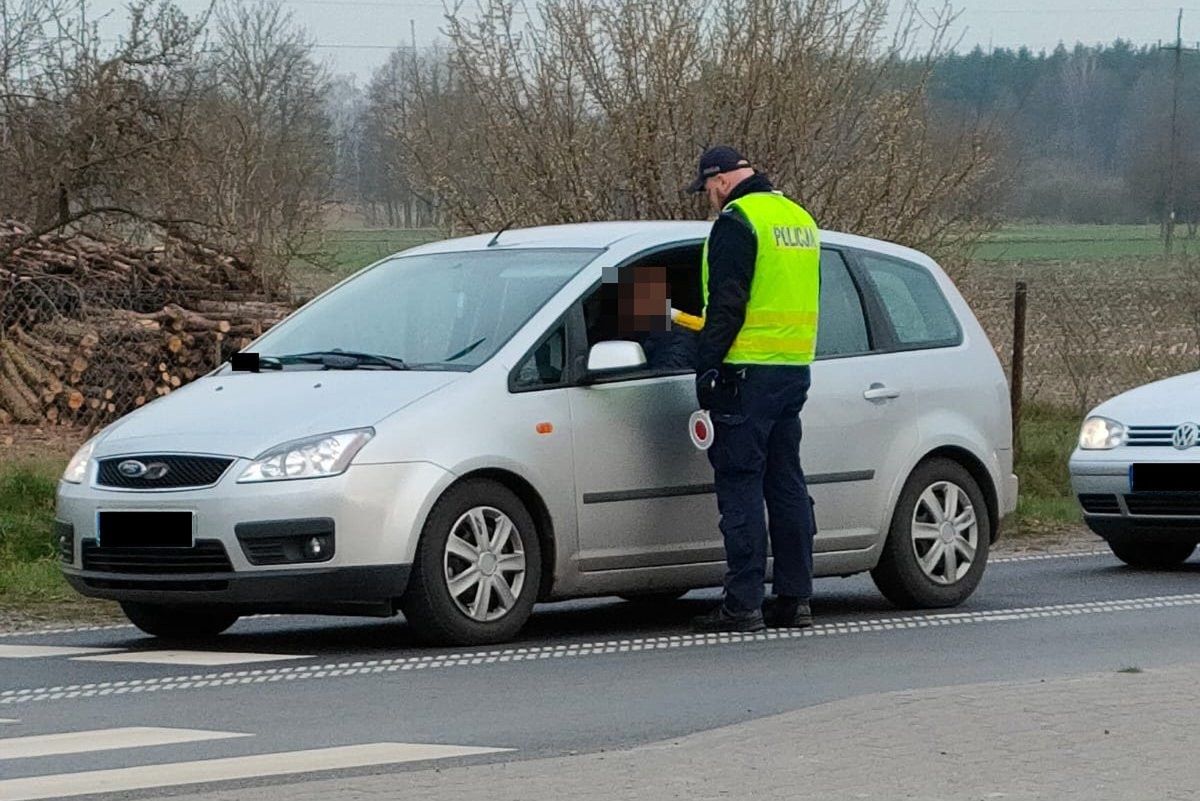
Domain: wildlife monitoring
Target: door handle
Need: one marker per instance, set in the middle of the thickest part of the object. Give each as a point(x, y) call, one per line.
point(880, 392)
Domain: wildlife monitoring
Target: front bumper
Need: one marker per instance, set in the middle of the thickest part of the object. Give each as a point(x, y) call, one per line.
point(1113, 511)
point(376, 512)
point(344, 590)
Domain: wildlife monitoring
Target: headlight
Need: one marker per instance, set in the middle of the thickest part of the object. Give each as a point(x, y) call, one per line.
point(77, 468)
point(1101, 434)
point(316, 457)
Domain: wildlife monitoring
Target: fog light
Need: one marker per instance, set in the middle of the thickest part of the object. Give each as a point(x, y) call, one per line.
point(315, 547)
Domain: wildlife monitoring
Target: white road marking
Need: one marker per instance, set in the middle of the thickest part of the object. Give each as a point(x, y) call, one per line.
point(74, 630)
point(123, 780)
point(8, 720)
point(582, 649)
point(39, 651)
point(1004, 560)
point(200, 658)
point(83, 742)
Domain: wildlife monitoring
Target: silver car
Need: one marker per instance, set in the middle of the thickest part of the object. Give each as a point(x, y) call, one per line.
point(1136, 472)
point(465, 429)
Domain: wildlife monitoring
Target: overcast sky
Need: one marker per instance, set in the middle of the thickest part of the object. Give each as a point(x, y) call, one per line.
point(356, 35)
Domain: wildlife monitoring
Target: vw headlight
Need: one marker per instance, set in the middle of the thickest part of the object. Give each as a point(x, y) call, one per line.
point(77, 468)
point(1101, 434)
point(315, 457)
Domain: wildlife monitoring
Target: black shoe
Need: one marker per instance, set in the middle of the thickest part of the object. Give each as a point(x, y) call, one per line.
point(784, 612)
point(722, 620)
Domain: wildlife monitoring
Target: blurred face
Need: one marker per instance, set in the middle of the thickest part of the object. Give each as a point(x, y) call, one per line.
point(646, 301)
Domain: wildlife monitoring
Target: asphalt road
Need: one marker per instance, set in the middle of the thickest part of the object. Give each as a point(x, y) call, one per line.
point(108, 709)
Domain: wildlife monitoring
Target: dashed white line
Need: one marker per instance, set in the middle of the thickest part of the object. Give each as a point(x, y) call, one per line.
point(572, 650)
point(143, 777)
point(73, 630)
point(1004, 560)
point(83, 742)
point(41, 651)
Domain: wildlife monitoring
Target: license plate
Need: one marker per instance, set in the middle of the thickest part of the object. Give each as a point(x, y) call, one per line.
point(145, 529)
point(1165, 478)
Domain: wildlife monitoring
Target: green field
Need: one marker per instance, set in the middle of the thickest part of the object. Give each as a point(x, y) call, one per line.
point(347, 250)
point(343, 252)
point(1034, 242)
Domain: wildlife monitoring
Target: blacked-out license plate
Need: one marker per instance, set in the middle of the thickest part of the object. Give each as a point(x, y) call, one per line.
point(145, 529)
point(1165, 478)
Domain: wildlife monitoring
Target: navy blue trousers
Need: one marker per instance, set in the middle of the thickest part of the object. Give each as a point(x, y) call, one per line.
point(756, 460)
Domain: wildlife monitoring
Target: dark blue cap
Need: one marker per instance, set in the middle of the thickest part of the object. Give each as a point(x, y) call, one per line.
point(715, 161)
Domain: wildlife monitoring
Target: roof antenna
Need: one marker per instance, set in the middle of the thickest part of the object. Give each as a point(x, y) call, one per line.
point(496, 238)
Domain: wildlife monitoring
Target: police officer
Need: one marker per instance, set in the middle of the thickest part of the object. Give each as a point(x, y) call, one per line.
point(761, 291)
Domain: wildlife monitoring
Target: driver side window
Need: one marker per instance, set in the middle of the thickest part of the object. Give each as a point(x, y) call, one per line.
point(633, 306)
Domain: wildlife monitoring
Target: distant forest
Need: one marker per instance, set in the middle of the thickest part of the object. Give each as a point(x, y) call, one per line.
point(1087, 130)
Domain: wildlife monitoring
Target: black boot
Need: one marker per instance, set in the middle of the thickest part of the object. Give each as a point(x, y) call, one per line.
point(722, 620)
point(787, 612)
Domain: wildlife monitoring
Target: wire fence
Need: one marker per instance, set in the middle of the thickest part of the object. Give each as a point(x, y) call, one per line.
point(83, 359)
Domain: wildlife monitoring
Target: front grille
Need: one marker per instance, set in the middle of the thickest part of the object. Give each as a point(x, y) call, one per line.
point(1100, 504)
point(1180, 504)
point(206, 556)
point(1151, 436)
point(181, 472)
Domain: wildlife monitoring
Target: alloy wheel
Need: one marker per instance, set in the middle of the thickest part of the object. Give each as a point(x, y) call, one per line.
point(945, 532)
point(484, 564)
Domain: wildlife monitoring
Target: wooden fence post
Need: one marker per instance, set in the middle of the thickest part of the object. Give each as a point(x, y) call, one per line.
point(1017, 385)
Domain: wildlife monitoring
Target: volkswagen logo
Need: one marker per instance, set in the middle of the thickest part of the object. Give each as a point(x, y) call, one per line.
point(132, 468)
point(1186, 436)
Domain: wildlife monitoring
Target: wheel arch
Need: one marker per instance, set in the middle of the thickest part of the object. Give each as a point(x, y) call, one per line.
point(978, 471)
point(537, 508)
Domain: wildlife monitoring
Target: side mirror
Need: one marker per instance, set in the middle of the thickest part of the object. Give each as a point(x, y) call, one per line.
point(615, 356)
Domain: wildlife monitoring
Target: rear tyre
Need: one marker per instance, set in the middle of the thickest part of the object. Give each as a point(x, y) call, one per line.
point(478, 567)
point(937, 546)
point(1152, 555)
point(178, 622)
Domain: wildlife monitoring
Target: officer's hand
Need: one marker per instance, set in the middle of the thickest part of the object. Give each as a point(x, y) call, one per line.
point(718, 390)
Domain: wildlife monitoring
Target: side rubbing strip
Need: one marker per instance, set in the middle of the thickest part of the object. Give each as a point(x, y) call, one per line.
point(708, 489)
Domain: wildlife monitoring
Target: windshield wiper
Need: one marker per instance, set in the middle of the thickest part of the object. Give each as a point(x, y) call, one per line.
point(466, 350)
point(337, 360)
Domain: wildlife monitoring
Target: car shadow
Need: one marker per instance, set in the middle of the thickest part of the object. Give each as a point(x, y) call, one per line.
point(559, 623)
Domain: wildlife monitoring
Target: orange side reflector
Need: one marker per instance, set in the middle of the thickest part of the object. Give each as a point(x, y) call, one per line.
point(545, 428)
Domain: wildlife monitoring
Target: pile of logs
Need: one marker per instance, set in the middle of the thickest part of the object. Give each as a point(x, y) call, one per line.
point(91, 329)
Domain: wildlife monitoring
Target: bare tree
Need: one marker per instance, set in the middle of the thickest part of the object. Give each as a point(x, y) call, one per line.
point(599, 109)
point(165, 133)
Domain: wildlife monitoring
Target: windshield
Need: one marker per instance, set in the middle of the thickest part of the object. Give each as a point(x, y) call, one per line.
point(435, 311)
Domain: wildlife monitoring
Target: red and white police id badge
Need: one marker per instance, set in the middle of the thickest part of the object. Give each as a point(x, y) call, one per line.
point(701, 429)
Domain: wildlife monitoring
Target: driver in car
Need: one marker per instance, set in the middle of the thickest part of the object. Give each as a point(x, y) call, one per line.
point(645, 312)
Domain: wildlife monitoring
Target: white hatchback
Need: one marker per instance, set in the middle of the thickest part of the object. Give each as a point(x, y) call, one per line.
point(1136, 472)
point(463, 430)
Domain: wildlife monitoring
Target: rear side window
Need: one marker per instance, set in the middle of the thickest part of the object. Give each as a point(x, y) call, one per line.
point(842, 328)
point(918, 310)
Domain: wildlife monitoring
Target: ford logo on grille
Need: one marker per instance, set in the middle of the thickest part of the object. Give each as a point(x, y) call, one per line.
point(1186, 436)
point(132, 468)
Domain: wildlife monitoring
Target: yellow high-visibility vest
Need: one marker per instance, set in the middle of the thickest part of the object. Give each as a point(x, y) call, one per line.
point(781, 314)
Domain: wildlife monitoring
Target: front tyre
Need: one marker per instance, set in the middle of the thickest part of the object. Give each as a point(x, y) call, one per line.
point(1152, 555)
point(171, 622)
point(937, 546)
point(478, 567)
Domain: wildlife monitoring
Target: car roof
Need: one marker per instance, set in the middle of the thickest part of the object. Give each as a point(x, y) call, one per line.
point(601, 235)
